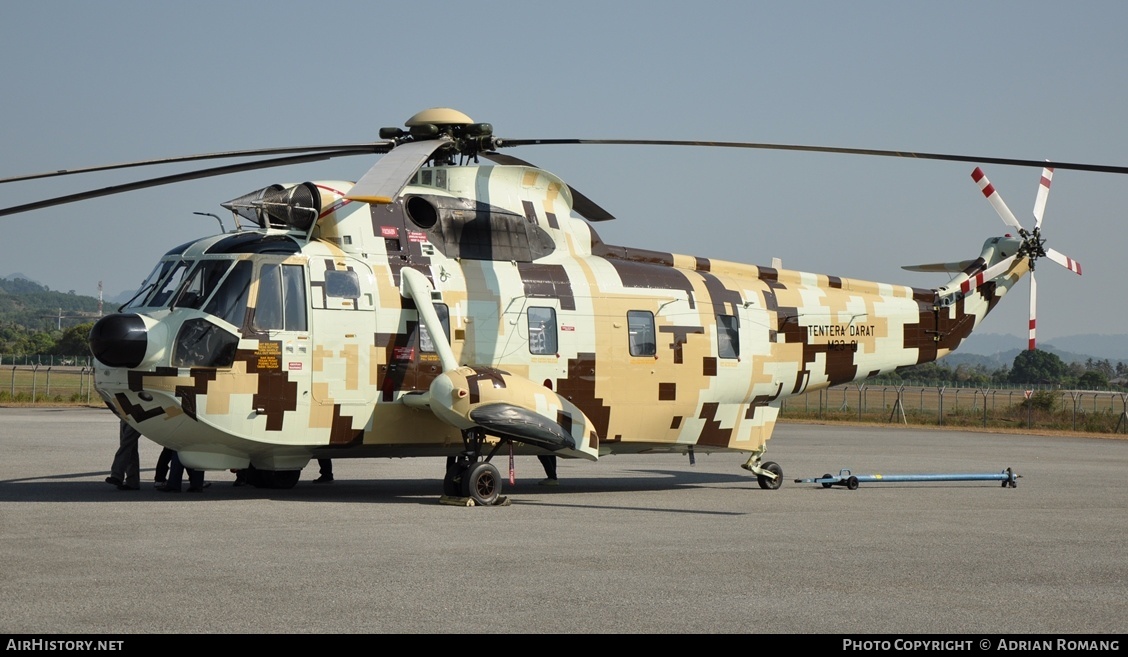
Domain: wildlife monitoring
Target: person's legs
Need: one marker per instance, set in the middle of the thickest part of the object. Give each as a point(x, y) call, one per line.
point(549, 463)
point(195, 480)
point(161, 474)
point(326, 471)
point(175, 476)
point(125, 472)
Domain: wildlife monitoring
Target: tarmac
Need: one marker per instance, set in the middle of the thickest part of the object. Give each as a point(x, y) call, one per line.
point(629, 544)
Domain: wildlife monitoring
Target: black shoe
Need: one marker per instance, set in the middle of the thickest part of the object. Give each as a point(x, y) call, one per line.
point(160, 481)
point(195, 489)
point(168, 489)
point(113, 481)
point(128, 487)
point(324, 479)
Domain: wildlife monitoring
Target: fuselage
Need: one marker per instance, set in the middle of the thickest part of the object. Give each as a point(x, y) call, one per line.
point(269, 346)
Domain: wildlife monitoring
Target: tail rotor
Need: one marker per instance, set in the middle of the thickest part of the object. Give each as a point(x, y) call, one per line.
point(1033, 245)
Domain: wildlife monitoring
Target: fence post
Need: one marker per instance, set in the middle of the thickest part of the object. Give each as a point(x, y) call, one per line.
point(34, 381)
point(940, 406)
point(898, 406)
point(861, 400)
point(13, 393)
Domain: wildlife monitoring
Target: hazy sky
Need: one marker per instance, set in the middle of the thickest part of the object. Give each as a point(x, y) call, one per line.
point(89, 83)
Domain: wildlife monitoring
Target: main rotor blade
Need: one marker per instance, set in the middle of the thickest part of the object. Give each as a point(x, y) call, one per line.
point(1033, 308)
point(584, 206)
point(1043, 194)
point(181, 177)
point(375, 146)
point(995, 199)
point(1100, 168)
point(383, 182)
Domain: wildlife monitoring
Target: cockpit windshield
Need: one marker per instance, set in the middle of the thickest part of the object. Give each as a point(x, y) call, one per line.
point(146, 290)
point(168, 285)
point(204, 280)
point(222, 287)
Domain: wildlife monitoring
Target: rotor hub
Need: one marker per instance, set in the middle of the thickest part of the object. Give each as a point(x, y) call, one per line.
point(466, 137)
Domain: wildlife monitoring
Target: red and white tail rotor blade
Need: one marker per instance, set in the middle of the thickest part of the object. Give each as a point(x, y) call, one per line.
point(993, 197)
point(1043, 194)
point(987, 274)
point(1033, 308)
point(1064, 260)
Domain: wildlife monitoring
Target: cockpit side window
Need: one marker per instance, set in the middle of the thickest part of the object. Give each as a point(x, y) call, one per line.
point(281, 303)
point(230, 300)
point(294, 297)
point(268, 306)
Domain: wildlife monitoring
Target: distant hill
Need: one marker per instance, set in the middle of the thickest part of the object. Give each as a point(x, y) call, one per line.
point(993, 349)
point(36, 307)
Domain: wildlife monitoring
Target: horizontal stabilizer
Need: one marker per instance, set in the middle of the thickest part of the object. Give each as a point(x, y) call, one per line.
point(522, 425)
point(949, 267)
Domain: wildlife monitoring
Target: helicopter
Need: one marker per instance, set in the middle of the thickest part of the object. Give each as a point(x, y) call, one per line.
point(445, 307)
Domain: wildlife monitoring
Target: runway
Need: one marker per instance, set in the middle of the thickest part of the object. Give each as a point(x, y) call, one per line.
point(630, 544)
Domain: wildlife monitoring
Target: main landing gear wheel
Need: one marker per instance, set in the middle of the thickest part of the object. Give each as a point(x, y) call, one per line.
point(766, 482)
point(482, 483)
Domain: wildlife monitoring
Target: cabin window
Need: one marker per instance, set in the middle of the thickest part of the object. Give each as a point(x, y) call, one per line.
point(640, 333)
point(426, 344)
point(728, 336)
point(344, 284)
point(230, 301)
point(281, 300)
point(542, 330)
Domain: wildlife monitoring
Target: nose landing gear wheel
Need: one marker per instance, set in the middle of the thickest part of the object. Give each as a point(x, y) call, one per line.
point(482, 483)
point(768, 483)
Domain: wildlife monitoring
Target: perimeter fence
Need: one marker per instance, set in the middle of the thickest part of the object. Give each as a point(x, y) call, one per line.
point(47, 384)
point(942, 405)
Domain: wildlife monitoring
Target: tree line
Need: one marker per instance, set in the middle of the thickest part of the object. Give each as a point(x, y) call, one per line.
point(1032, 367)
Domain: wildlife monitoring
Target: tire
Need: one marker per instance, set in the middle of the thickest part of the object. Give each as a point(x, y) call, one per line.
point(766, 482)
point(827, 484)
point(482, 483)
point(852, 483)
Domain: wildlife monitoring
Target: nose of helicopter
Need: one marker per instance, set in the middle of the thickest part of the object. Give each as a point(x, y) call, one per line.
point(119, 340)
